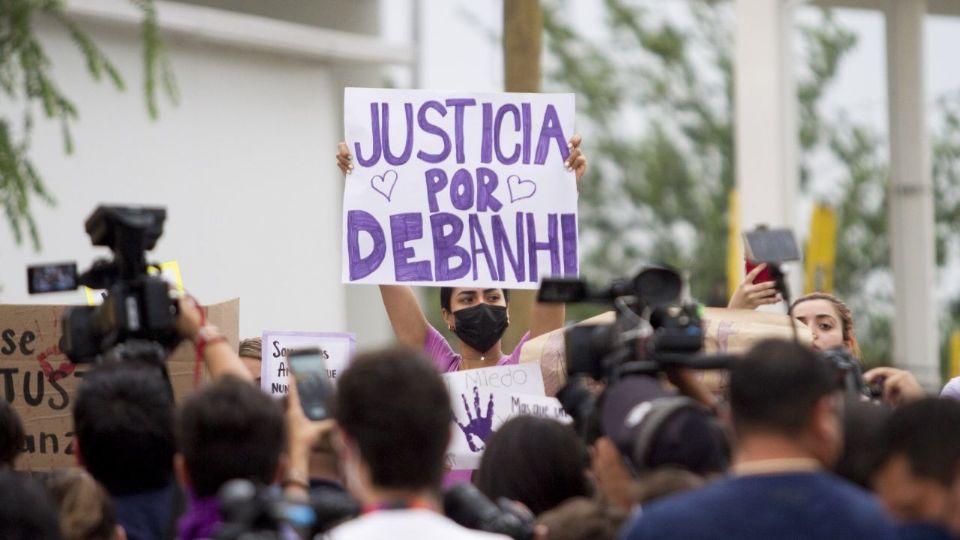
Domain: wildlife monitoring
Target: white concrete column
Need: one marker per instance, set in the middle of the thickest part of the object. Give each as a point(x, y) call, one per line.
point(766, 119)
point(911, 220)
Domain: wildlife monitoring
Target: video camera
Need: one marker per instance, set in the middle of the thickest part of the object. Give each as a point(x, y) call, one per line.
point(250, 512)
point(138, 315)
point(654, 328)
point(466, 505)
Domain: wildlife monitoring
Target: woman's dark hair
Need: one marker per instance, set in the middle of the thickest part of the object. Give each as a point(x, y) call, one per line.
point(26, 512)
point(11, 434)
point(536, 461)
point(447, 292)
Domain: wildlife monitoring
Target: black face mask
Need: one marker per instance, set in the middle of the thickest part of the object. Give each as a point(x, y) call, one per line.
point(480, 326)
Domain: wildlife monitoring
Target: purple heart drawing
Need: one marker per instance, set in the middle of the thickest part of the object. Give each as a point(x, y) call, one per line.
point(520, 189)
point(384, 184)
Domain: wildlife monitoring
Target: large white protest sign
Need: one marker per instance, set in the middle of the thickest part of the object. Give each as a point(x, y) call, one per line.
point(458, 188)
point(336, 349)
point(481, 400)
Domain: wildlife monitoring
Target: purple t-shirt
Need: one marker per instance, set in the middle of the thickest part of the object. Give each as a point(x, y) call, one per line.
point(438, 350)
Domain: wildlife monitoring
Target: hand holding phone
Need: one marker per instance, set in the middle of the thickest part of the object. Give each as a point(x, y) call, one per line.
point(313, 387)
point(763, 276)
point(754, 292)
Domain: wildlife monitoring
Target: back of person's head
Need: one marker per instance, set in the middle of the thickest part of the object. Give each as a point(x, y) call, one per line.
point(863, 423)
point(581, 518)
point(123, 420)
point(230, 429)
point(84, 507)
point(26, 512)
point(250, 348)
point(776, 386)
point(394, 407)
point(927, 434)
point(536, 461)
point(11, 434)
point(654, 428)
point(918, 472)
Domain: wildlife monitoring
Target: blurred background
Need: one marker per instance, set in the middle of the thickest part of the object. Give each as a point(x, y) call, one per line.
point(701, 118)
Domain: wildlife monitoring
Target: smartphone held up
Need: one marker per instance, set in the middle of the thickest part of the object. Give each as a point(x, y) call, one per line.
point(313, 386)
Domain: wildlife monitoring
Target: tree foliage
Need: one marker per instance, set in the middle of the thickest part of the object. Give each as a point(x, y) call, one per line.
point(26, 77)
point(655, 97)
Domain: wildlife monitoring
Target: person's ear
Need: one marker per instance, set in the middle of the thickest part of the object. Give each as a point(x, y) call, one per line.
point(180, 468)
point(119, 533)
point(448, 319)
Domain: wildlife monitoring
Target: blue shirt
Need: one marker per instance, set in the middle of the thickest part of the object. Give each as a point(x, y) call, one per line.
point(795, 506)
point(147, 515)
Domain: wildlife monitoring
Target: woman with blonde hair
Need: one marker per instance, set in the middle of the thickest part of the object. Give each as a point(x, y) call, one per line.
point(84, 509)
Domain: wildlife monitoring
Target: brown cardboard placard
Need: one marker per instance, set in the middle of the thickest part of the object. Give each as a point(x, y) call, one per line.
point(728, 331)
point(38, 380)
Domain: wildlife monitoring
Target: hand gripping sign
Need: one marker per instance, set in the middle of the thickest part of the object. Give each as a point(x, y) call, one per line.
point(458, 188)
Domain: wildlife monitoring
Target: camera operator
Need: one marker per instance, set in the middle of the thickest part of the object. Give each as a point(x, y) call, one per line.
point(785, 404)
point(393, 414)
point(645, 429)
point(918, 478)
point(124, 429)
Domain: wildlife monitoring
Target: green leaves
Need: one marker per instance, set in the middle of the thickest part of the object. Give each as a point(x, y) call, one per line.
point(26, 77)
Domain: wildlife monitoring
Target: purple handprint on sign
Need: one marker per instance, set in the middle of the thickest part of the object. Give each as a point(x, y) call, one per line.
point(479, 426)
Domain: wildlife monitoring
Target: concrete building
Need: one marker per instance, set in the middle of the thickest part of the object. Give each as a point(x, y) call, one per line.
point(244, 164)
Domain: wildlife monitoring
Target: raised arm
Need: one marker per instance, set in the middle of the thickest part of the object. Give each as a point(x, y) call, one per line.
point(218, 355)
point(548, 317)
point(407, 319)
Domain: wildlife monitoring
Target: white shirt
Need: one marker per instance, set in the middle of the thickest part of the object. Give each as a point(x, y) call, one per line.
point(412, 524)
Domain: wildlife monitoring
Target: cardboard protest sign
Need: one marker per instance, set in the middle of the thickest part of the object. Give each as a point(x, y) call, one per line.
point(455, 188)
point(481, 400)
point(336, 348)
point(40, 383)
point(726, 331)
point(539, 406)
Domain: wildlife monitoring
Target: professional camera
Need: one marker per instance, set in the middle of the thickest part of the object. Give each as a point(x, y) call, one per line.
point(654, 329)
point(851, 374)
point(466, 505)
point(138, 316)
point(257, 513)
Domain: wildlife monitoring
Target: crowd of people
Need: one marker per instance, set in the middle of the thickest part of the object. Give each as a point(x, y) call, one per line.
point(788, 447)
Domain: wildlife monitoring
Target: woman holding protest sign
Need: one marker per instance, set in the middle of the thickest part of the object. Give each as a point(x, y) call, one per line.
point(478, 316)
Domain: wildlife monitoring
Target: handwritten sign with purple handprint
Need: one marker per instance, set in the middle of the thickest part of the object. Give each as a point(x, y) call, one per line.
point(475, 421)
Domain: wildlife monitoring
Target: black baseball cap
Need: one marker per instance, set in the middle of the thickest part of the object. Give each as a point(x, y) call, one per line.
point(653, 427)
